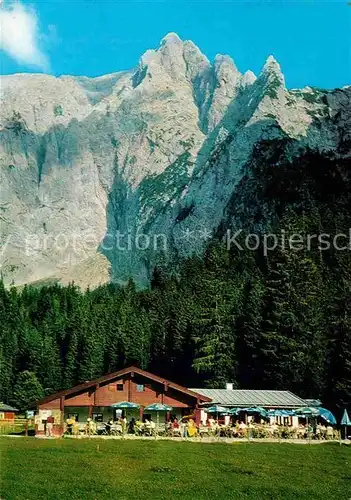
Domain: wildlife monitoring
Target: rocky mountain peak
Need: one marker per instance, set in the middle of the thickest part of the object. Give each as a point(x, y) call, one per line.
point(174, 58)
point(224, 60)
point(272, 73)
point(158, 150)
point(248, 78)
point(171, 38)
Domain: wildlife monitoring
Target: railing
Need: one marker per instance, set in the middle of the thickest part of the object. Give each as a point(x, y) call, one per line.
point(17, 426)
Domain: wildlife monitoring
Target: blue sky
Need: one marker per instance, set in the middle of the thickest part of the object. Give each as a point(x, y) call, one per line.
point(311, 40)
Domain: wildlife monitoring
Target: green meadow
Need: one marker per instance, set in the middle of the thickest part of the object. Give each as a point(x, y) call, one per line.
point(97, 469)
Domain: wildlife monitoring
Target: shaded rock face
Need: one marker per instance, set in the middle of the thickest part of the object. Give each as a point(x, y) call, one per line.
point(103, 178)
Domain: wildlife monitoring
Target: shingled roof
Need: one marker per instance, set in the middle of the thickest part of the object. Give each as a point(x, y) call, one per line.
point(5, 407)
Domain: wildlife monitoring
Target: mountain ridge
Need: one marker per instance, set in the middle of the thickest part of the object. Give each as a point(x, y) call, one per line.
point(134, 151)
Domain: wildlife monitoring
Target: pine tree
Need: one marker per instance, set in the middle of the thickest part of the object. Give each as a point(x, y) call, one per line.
point(27, 390)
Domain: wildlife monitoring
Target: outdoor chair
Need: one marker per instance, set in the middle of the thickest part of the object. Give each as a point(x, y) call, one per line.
point(204, 431)
point(148, 430)
point(139, 429)
point(161, 429)
point(116, 430)
point(102, 430)
point(175, 432)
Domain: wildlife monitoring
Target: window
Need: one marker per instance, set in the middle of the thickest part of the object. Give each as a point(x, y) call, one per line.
point(98, 417)
point(140, 387)
point(119, 387)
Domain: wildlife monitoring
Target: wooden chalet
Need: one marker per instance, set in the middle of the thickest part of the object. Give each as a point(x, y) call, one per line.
point(94, 398)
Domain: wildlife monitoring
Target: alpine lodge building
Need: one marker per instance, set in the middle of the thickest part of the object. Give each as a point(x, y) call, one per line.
point(95, 399)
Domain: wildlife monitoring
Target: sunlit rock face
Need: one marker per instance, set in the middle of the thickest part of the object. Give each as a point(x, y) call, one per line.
point(103, 178)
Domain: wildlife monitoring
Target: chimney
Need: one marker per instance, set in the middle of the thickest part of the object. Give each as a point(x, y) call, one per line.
point(229, 386)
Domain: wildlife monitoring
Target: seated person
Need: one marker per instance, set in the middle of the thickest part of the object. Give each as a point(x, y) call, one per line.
point(131, 426)
point(70, 423)
point(242, 428)
point(109, 425)
point(211, 422)
point(192, 429)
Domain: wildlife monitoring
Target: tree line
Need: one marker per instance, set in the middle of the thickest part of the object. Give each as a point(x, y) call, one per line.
point(276, 320)
point(280, 322)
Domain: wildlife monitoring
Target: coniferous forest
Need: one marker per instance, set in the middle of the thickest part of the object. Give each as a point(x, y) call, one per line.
point(275, 321)
point(285, 325)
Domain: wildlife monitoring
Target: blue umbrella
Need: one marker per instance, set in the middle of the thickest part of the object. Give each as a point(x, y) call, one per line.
point(327, 415)
point(125, 405)
point(157, 407)
point(288, 413)
point(280, 413)
point(346, 421)
point(233, 411)
point(256, 409)
point(308, 411)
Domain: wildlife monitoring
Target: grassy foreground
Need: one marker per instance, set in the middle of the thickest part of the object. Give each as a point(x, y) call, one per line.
point(138, 470)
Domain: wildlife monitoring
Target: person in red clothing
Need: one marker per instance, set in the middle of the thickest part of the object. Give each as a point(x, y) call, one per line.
point(49, 425)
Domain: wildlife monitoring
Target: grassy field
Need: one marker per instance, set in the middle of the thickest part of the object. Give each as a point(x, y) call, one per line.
point(135, 470)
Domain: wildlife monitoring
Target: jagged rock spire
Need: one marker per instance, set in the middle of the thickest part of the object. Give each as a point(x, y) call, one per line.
point(171, 38)
point(272, 72)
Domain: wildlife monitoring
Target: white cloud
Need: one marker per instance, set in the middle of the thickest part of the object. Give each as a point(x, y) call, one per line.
point(19, 35)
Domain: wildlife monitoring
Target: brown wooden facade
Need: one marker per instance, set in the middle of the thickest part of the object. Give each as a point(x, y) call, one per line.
point(130, 384)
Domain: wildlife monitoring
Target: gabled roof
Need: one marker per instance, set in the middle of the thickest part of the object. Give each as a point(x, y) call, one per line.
point(120, 373)
point(4, 407)
point(247, 398)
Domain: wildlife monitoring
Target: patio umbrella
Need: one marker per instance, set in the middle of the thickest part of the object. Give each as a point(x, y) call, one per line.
point(125, 405)
point(233, 411)
point(217, 409)
point(307, 411)
point(157, 407)
point(256, 409)
point(287, 413)
point(327, 415)
point(346, 421)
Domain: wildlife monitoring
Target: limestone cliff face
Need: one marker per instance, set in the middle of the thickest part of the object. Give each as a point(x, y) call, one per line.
point(101, 178)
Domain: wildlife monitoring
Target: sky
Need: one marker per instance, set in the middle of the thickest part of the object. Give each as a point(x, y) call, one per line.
point(310, 39)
